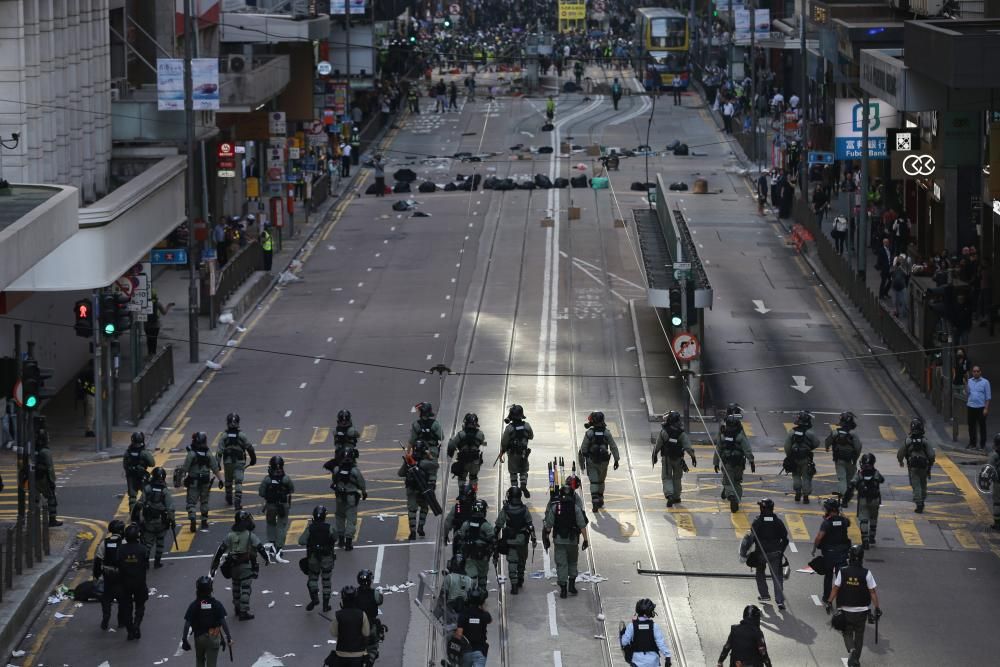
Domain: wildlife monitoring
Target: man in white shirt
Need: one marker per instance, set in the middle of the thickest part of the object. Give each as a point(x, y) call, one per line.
point(854, 592)
point(727, 116)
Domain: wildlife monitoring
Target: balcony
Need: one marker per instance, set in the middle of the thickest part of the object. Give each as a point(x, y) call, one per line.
point(257, 80)
point(135, 119)
point(248, 27)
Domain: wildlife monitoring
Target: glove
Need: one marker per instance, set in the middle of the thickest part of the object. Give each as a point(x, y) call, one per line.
point(534, 543)
point(654, 460)
point(185, 645)
point(878, 612)
point(753, 467)
point(364, 495)
point(666, 662)
point(585, 545)
point(616, 466)
point(900, 464)
point(928, 473)
point(694, 462)
point(813, 553)
point(829, 607)
point(546, 542)
point(716, 468)
point(222, 484)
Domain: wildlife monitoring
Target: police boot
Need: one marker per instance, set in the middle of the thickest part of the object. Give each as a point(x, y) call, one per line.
point(524, 491)
point(734, 504)
point(54, 522)
point(105, 620)
point(513, 588)
point(920, 508)
point(670, 502)
point(347, 544)
point(340, 541)
point(562, 591)
point(313, 601)
point(421, 533)
point(412, 536)
point(326, 603)
point(245, 616)
point(157, 563)
point(572, 587)
point(229, 498)
point(798, 496)
point(194, 525)
point(131, 633)
point(865, 544)
point(805, 499)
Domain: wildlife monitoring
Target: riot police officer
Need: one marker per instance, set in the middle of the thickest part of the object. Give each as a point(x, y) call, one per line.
point(477, 538)
point(919, 456)
point(459, 512)
point(318, 539)
point(672, 443)
point(276, 489)
point(427, 428)
point(799, 446)
point(426, 472)
point(45, 475)
point(846, 447)
point(597, 449)
point(133, 561)
point(241, 548)
point(467, 444)
point(345, 436)
point(994, 460)
point(455, 590)
point(745, 645)
point(567, 520)
point(199, 466)
point(351, 630)
point(733, 453)
point(106, 562)
point(514, 444)
point(232, 452)
point(867, 483)
point(156, 512)
point(204, 618)
point(369, 601)
point(832, 541)
point(136, 461)
point(771, 536)
point(514, 527)
point(349, 486)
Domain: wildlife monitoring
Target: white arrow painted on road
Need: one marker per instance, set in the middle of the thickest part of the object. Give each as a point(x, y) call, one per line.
point(800, 384)
point(760, 307)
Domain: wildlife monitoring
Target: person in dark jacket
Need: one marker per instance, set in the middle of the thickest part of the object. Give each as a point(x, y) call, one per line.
point(351, 629)
point(745, 645)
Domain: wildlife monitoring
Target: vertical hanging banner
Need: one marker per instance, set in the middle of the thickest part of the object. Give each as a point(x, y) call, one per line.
point(170, 84)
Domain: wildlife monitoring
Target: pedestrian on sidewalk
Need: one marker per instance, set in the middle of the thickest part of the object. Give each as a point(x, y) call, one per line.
point(727, 116)
point(883, 263)
point(152, 324)
point(86, 389)
point(821, 203)
point(345, 159)
point(900, 233)
point(678, 89)
point(452, 97)
point(267, 247)
point(960, 370)
point(221, 243)
point(839, 233)
point(899, 281)
point(379, 167)
point(977, 404)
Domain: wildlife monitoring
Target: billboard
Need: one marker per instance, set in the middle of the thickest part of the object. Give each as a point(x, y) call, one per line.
point(339, 6)
point(170, 84)
point(741, 18)
point(849, 127)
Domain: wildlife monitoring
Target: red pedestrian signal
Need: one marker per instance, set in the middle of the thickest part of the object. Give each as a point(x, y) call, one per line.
point(84, 318)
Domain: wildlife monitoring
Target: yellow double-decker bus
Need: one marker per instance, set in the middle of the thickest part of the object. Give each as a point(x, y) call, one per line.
point(664, 43)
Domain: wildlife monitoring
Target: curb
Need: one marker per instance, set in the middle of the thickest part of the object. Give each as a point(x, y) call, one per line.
point(650, 414)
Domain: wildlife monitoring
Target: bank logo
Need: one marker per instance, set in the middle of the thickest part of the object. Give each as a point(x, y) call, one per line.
point(919, 165)
point(858, 117)
point(904, 141)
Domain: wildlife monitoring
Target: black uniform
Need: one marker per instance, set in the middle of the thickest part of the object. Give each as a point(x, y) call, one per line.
point(854, 592)
point(133, 561)
point(473, 622)
point(745, 646)
point(834, 546)
point(106, 565)
point(773, 536)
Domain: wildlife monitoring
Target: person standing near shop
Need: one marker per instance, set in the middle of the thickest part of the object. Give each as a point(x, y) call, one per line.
point(977, 402)
point(267, 247)
point(345, 159)
point(152, 324)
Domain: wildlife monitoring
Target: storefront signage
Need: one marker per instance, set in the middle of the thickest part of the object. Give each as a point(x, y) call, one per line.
point(849, 125)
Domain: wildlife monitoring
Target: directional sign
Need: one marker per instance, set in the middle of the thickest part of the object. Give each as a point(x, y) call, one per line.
point(800, 384)
point(168, 256)
point(685, 347)
point(820, 157)
point(682, 266)
point(758, 305)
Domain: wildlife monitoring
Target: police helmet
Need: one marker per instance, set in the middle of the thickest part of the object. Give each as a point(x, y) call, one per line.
point(426, 410)
point(856, 554)
point(116, 527)
point(203, 585)
point(471, 421)
point(232, 420)
point(199, 440)
point(344, 417)
point(596, 417)
point(319, 513)
point(133, 533)
point(917, 425)
point(514, 495)
point(831, 505)
point(159, 474)
point(732, 421)
point(457, 563)
point(365, 578)
point(515, 412)
point(476, 596)
point(276, 463)
point(804, 419)
point(868, 459)
point(242, 520)
point(766, 506)
point(479, 508)
point(751, 612)
point(348, 596)
point(847, 420)
point(673, 417)
point(139, 438)
point(734, 409)
point(645, 607)
point(467, 492)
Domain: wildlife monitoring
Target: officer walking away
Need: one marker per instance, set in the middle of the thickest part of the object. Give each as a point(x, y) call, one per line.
point(427, 428)
point(477, 538)
point(369, 601)
point(267, 246)
point(199, 466)
point(241, 548)
point(318, 539)
point(771, 538)
point(733, 453)
point(455, 591)
point(514, 527)
point(672, 443)
point(799, 446)
point(867, 483)
point(846, 451)
point(459, 513)
point(351, 630)
point(276, 489)
point(643, 638)
point(597, 449)
point(566, 519)
point(832, 541)
point(514, 444)
point(349, 486)
point(232, 452)
point(345, 436)
point(45, 476)
point(205, 618)
point(994, 460)
point(416, 501)
point(745, 646)
point(467, 444)
point(919, 456)
point(137, 460)
point(106, 562)
point(471, 632)
point(854, 591)
point(156, 513)
point(133, 561)
point(151, 326)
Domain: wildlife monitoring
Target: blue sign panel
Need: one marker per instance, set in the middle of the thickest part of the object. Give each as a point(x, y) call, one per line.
point(849, 148)
point(168, 256)
point(820, 157)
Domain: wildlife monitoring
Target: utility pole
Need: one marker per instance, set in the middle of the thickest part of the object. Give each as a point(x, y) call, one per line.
point(732, 40)
point(753, 79)
point(192, 246)
point(98, 378)
point(24, 469)
point(804, 106)
point(863, 221)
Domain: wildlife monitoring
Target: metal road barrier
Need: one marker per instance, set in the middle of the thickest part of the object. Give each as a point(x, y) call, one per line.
point(22, 544)
point(240, 266)
point(152, 381)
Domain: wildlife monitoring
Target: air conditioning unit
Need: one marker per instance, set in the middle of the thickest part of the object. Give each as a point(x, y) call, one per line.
point(237, 64)
point(926, 7)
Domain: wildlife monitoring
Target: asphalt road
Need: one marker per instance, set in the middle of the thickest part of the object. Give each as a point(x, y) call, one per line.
point(522, 312)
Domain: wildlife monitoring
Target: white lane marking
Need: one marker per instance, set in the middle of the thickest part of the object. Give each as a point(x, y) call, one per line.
point(302, 550)
point(329, 339)
point(815, 599)
point(429, 357)
point(378, 563)
point(392, 229)
point(556, 658)
point(795, 549)
point(350, 301)
point(454, 280)
point(361, 284)
point(553, 630)
point(599, 281)
point(288, 414)
point(378, 254)
point(437, 335)
point(302, 386)
point(340, 319)
point(447, 297)
point(423, 380)
point(385, 242)
point(369, 269)
point(597, 268)
point(444, 315)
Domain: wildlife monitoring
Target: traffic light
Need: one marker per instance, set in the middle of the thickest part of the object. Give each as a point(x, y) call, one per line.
point(413, 39)
point(676, 318)
point(447, 23)
point(31, 383)
point(123, 316)
point(115, 316)
point(83, 312)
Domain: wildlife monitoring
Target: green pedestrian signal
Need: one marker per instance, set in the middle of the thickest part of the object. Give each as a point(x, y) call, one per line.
point(31, 383)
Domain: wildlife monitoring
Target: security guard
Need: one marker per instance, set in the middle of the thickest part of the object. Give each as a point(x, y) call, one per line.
point(467, 444)
point(318, 539)
point(919, 456)
point(478, 539)
point(514, 443)
point(349, 486)
point(994, 460)
point(514, 527)
point(232, 452)
point(427, 428)
point(242, 547)
point(267, 246)
point(567, 520)
point(416, 502)
point(746, 646)
point(369, 601)
point(799, 446)
point(156, 512)
point(106, 562)
point(846, 451)
point(771, 536)
point(205, 618)
point(133, 561)
point(276, 489)
point(351, 631)
point(644, 637)
point(455, 590)
point(597, 449)
point(733, 454)
point(345, 436)
point(854, 591)
point(137, 460)
point(45, 476)
point(550, 108)
point(672, 443)
point(199, 466)
point(866, 483)
point(832, 541)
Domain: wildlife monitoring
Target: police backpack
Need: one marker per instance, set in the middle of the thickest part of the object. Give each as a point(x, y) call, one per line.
point(179, 478)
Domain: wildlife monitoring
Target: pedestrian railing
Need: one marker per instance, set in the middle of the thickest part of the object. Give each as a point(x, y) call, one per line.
point(320, 192)
point(152, 381)
point(23, 543)
point(240, 266)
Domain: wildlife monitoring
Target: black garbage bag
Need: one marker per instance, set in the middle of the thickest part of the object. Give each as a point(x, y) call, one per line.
point(578, 181)
point(450, 187)
point(526, 185)
point(490, 183)
point(543, 181)
point(544, 150)
point(679, 186)
point(560, 182)
point(548, 127)
point(426, 186)
point(400, 206)
point(371, 190)
point(506, 184)
point(402, 186)
point(681, 149)
point(406, 175)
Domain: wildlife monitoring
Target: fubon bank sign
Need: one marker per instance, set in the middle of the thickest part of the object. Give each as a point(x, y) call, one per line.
point(849, 122)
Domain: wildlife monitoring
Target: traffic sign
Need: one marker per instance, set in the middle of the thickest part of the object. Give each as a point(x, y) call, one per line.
point(682, 266)
point(168, 256)
point(323, 68)
point(685, 347)
point(820, 157)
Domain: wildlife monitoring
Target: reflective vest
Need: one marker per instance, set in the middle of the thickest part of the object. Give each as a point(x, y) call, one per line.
point(266, 243)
